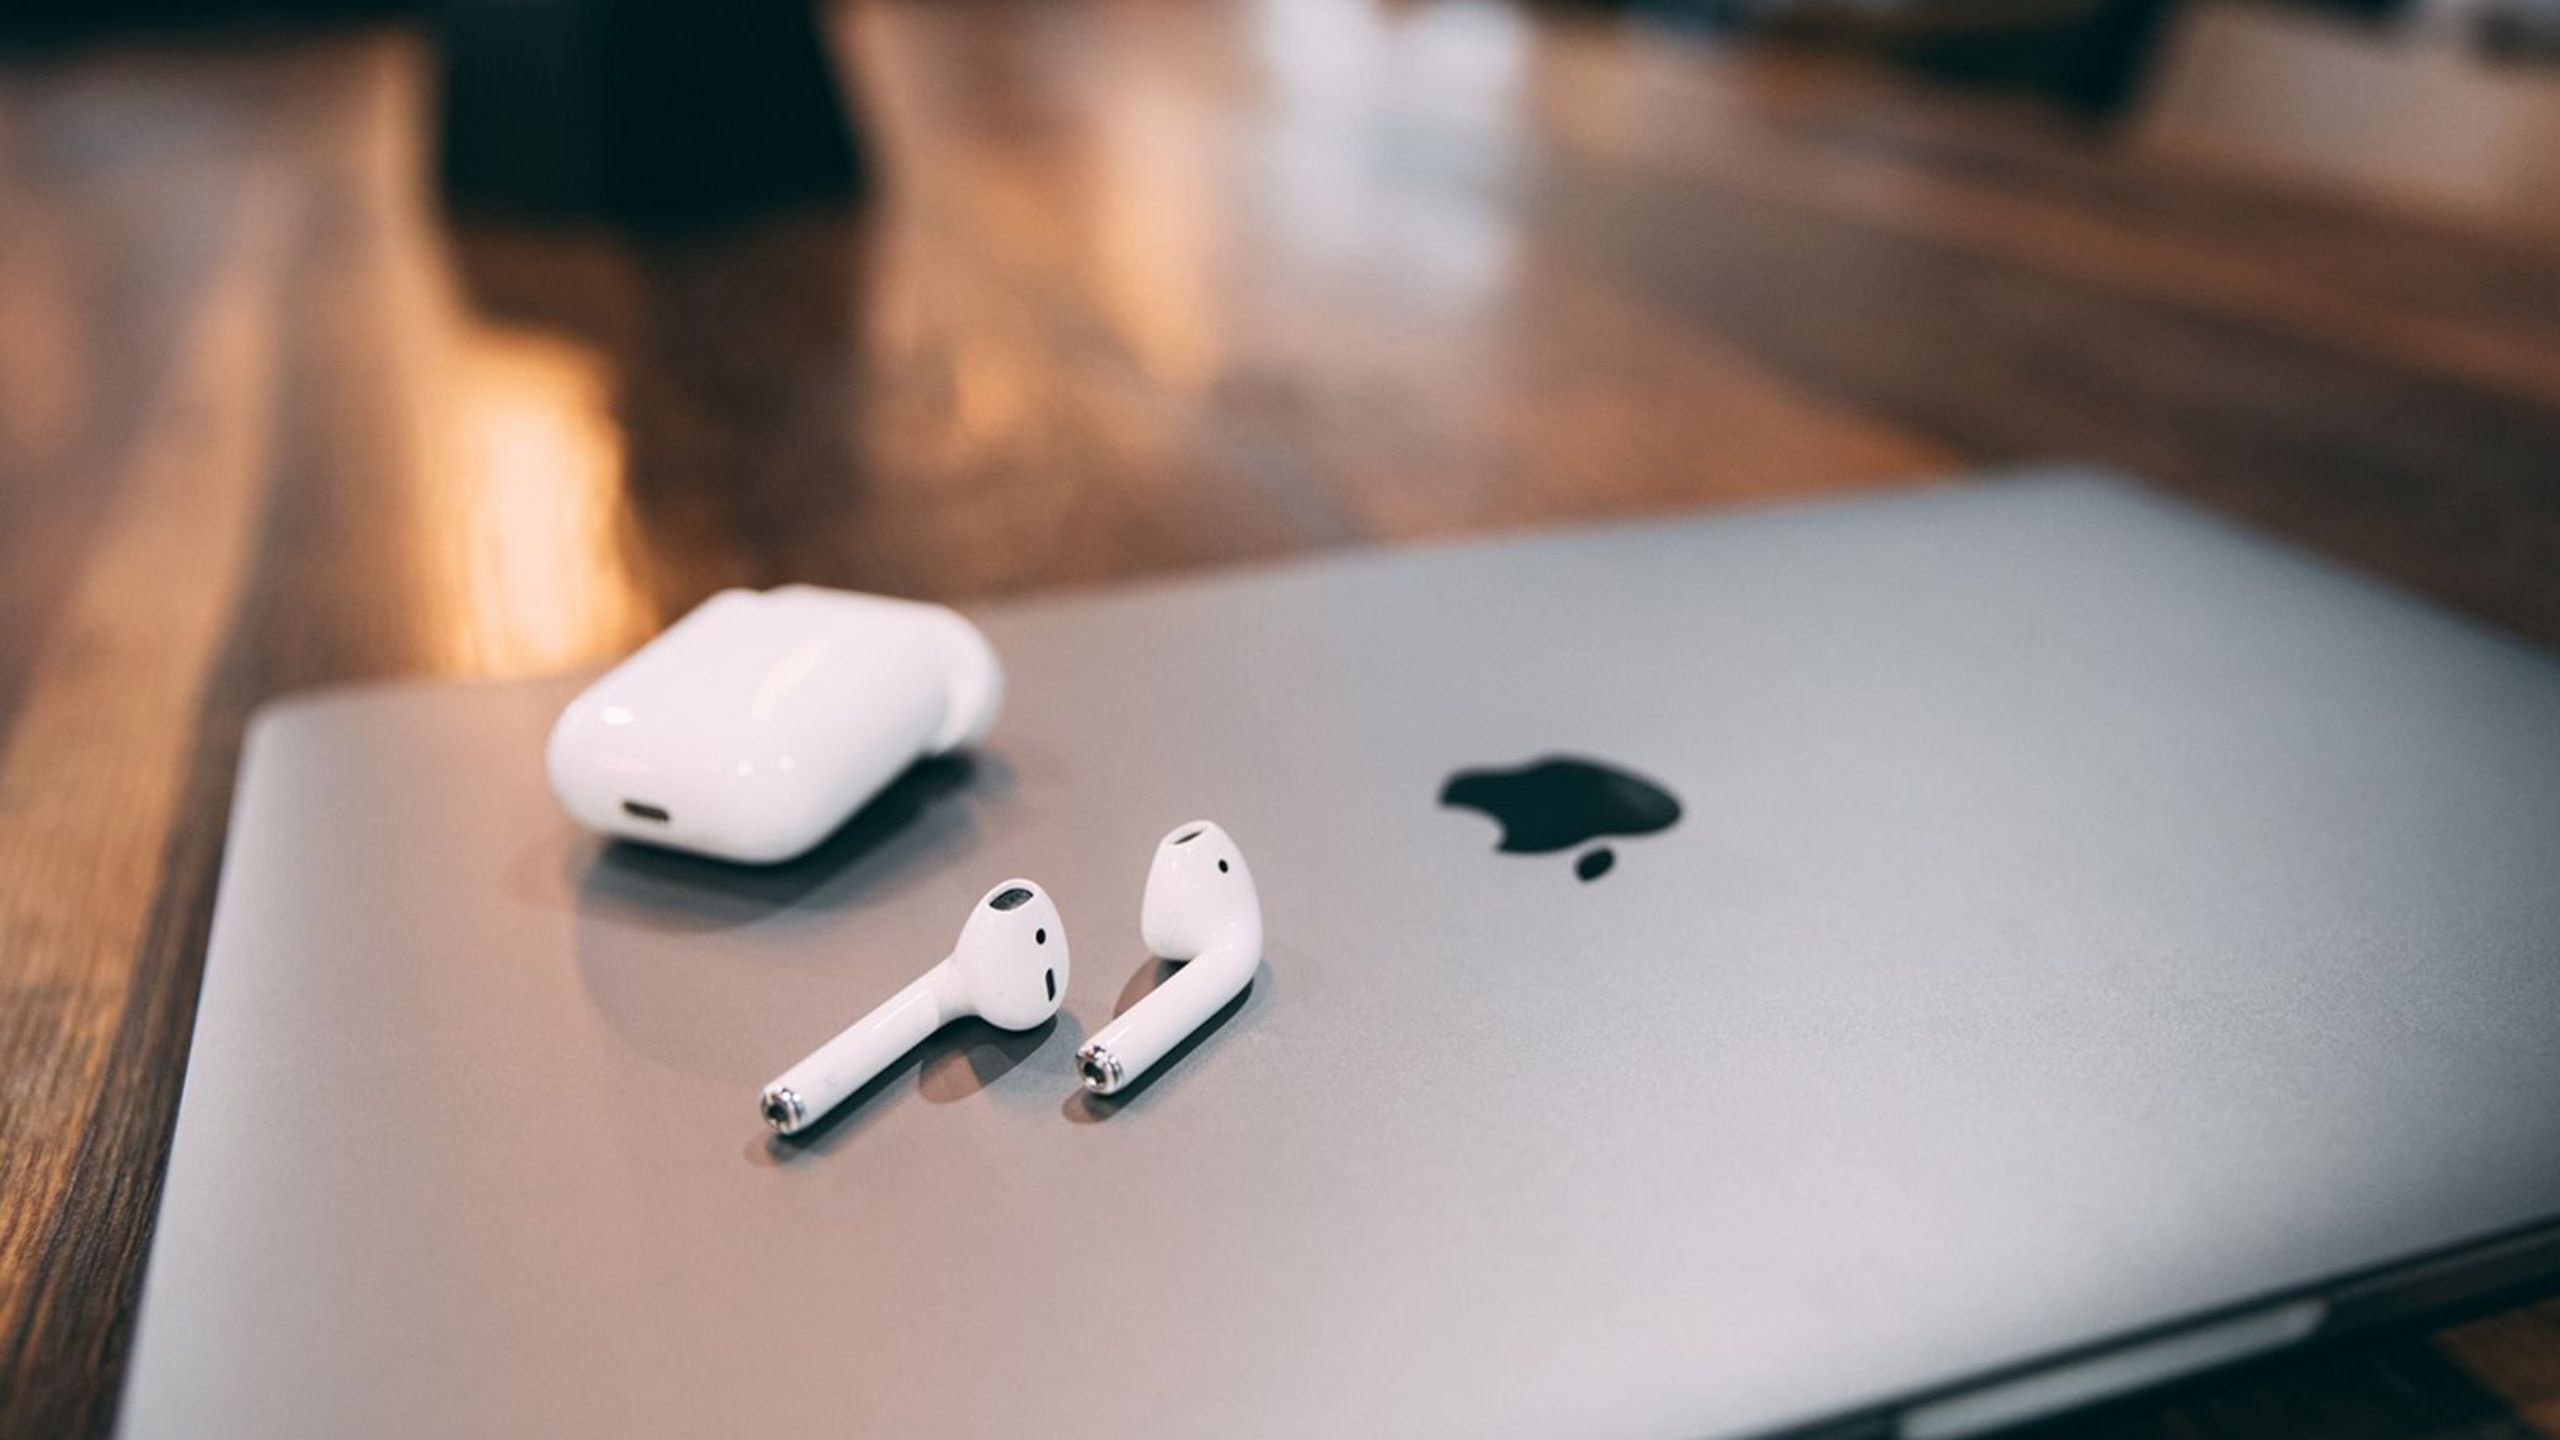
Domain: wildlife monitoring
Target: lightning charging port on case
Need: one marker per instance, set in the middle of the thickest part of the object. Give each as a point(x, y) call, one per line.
point(640, 810)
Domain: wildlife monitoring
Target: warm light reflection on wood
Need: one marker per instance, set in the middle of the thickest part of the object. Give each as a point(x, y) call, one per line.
point(1156, 221)
point(989, 395)
point(48, 378)
point(519, 538)
point(531, 507)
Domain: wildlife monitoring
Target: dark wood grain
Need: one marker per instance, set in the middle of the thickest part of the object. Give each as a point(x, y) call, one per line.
point(1149, 286)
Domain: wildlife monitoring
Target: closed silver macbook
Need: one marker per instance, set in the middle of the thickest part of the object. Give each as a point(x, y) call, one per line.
point(1900, 966)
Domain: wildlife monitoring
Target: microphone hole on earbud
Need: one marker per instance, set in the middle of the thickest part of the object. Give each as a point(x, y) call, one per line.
point(1050, 979)
point(1222, 867)
point(1040, 936)
point(1186, 837)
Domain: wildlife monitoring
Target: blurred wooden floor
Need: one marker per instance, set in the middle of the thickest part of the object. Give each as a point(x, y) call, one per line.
point(1153, 285)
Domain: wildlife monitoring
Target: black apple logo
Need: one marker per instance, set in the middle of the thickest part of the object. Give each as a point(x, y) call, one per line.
point(1557, 802)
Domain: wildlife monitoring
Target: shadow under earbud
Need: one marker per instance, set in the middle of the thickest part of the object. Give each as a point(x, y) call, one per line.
point(1142, 983)
point(971, 1055)
point(1086, 1108)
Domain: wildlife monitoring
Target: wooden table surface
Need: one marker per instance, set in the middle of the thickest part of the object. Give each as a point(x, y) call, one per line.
point(1151, 286)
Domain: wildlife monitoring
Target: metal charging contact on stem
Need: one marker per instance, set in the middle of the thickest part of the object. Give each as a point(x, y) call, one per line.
point(782, 1109)
point(1100, 1068)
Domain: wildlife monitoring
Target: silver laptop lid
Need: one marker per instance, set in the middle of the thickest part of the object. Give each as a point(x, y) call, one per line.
point(2079, 917)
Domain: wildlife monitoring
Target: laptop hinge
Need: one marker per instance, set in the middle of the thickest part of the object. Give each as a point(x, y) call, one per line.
point(2431, 1285)
point(2117, 1371)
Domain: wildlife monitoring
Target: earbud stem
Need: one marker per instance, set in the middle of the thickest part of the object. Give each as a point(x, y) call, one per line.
point(870, 1045)
point(1131, 1045)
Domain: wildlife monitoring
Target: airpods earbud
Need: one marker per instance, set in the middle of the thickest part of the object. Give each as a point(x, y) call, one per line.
point(1201, 909)
point(1009, 968)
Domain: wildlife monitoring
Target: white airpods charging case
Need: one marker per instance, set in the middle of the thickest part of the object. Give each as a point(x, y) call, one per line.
point(757, 724)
